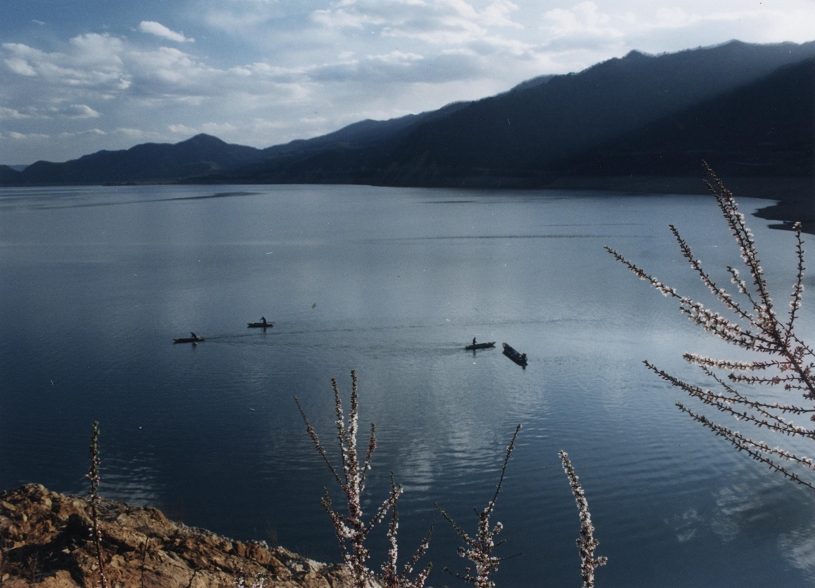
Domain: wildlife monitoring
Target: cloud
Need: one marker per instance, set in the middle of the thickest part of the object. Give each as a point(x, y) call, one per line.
point(182, 130)
point(264, 71)
point(20, 66)
point(11, 113)
point(91, 61)
point(70, 111)
point(583, 19)
point(672, 27)
point(416, 14)
point(442, 21)
point(92, 132)
point(27, 136)
point(136, 134)
point(154, 28)
point(399, 67)
point(75, 111)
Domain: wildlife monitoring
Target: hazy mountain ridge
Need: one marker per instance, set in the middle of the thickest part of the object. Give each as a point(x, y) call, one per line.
point(637, 115)
point(143, 163)
point(528, 135)
point(778, 138)
point(348, 156)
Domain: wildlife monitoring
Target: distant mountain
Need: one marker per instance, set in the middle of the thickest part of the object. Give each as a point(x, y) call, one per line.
point(739, 104)
point(347, 156)
point(531, 134)
point(765, 128)
point(148, 162)
point(366, 133)
point(8, 175)
point(525, 137)
point(537, 81)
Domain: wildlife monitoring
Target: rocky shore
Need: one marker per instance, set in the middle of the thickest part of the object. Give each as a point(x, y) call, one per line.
point(45, 543)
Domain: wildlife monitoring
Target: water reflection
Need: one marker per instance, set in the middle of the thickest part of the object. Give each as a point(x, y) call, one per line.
point(92, 295)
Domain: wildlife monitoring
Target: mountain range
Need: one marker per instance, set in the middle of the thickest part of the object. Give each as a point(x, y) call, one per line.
point(747, 109)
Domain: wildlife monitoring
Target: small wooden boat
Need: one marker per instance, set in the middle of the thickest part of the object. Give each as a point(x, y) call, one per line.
point(519, 358)
point(260, 325)
point(195, 339)
point(480, 346)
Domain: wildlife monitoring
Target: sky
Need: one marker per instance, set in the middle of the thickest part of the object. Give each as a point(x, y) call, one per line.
point(77, 76)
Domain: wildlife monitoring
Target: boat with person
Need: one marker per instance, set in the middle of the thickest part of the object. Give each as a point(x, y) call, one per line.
point(194, 339)
point(475, 346)
point(263, 324)
point(519, 358)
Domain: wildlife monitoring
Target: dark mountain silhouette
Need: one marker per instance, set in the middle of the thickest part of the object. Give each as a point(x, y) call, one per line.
point(636, 115)
point(536, 81)
point(347, 156)
point(208, 158)
point(8, 175)
point(366, 133)
point(766, 128)
point(143, 163)
point(524, 137)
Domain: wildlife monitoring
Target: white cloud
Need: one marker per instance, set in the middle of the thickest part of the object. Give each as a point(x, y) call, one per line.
point(241, 16)
point(316, 120)
point(11, 113)
point(416, 14)
point(154, 28)
point(27, 136)
point(263, 71)
point(136, 134)
point(182, 130)
point(99, 51)
point(675, 26)
point(396, 57)
point(92, 61)
point(20, 66)
point(225, 129)
point(75, 111)
point(582, 19)
point(455, 20)
point(92, 132)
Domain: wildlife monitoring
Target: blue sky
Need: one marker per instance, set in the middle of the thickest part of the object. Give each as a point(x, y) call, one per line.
point(80, 76)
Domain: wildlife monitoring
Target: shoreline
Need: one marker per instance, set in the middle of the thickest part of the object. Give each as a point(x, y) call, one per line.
point(794, 196)
point(45, 543)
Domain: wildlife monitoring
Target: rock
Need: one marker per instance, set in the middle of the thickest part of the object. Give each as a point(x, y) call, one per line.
point(45, 543)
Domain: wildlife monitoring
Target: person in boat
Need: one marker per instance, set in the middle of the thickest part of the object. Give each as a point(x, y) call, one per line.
point(474, 341)
point(263, 320)
point(194, 336)
point(523, 357)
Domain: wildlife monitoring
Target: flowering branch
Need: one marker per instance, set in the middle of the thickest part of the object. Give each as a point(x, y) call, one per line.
point(754, 327)
point(350, 529)
point(586, 543)
point(94, 500)
point(479, 548)
point(391, 576)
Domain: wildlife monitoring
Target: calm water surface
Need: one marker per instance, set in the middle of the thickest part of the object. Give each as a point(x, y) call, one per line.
point(95, 282)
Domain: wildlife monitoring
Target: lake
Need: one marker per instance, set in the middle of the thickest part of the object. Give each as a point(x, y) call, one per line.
point(95, 282)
